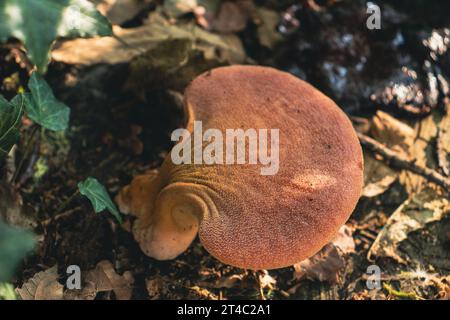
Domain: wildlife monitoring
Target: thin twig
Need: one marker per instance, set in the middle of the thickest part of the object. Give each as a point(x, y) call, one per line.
point(64, 214)
point(400, 161)
point(59, 215)
point(68, 200)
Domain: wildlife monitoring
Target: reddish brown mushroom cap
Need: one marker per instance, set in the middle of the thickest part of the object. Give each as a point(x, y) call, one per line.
point(244, 218)
point(266, 222)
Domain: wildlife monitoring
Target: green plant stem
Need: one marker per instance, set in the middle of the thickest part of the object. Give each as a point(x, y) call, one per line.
point(25, 154)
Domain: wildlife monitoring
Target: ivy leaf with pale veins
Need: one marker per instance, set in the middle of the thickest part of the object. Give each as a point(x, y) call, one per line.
point(99, 197)
point(10, 115)
point(37, 23)
point(14, 245)
point(42, 106)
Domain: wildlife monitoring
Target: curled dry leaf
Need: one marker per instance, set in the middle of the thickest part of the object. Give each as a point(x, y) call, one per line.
point(414, 214)
point(378, 176)
point(414, 143)
point(327, 263)
point(42, 286)
point(430, 147)
point(391, 132)
point(101, 279)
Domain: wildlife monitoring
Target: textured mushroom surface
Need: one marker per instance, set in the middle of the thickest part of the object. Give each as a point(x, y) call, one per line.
point(246, 219)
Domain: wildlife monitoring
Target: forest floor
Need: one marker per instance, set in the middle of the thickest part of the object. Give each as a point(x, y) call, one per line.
point(125, 102)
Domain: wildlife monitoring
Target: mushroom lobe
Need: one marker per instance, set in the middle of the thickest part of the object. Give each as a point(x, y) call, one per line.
point(246, 219)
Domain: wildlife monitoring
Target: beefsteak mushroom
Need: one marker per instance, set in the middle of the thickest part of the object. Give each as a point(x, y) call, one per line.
point(244, 218)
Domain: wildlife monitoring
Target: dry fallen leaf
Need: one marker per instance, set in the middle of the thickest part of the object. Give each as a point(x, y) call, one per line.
point(414, 214)
point(327, 263)
point(229, 281)
point(101, 279)
point(396, 135)
point(231, 16)
point(378, 177)
point(429, 132)
point(323, 266)
point(137, 41)
point(120, 11)
point(42, 286)
point(391, 132)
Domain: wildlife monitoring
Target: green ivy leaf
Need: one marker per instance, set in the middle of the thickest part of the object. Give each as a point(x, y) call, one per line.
point(42, 106)
point(10, 115)
point(37, 23)
point(14, 245)
point(97, 194)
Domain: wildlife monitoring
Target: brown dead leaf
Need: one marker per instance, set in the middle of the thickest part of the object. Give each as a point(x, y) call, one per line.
point(423, 153)
point(42, 286)
point(323, 266)
point(378, 177)
point(415, 143)
point(137, 41)
point(120, 11)
point(391, 132)
point(232, 16)
point(414, 214)
point(430, 148)
point(327, 263)
point(102, 279)
point(228, 282)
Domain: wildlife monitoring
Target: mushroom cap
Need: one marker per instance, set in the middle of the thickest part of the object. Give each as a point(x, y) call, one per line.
point(259, 221)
